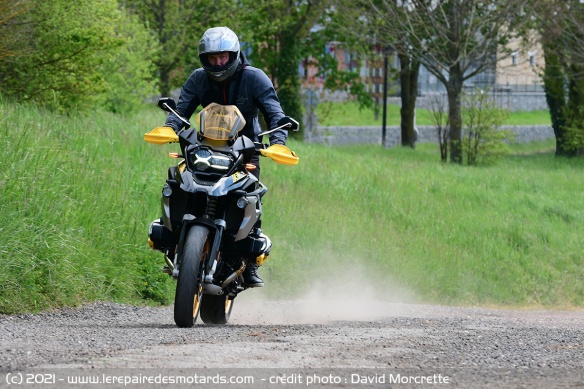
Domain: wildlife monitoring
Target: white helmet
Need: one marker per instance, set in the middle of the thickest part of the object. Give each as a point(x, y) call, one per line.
point(219, 40)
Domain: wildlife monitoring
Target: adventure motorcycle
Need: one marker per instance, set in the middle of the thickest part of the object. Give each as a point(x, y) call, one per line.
point(210, 206)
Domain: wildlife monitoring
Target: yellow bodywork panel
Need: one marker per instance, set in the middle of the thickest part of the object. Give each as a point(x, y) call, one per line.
point(280, 154)
point(261, 259)
point(161, 135)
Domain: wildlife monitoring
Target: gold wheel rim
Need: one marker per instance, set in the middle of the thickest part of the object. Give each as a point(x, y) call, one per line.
point(197, 301)
point(228, 303)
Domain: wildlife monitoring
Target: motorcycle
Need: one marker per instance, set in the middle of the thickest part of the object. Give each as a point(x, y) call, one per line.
point(210, 205)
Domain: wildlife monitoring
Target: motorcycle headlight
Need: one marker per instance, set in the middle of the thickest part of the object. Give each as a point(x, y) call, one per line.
point(204, 160)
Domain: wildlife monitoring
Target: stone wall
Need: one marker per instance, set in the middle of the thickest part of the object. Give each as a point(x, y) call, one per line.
point(373, 135)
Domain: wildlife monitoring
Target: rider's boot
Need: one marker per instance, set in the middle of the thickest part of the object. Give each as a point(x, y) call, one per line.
point(261, 247)
point(250, 276)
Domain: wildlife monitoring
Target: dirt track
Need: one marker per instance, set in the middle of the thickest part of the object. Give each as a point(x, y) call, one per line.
point(288, 343)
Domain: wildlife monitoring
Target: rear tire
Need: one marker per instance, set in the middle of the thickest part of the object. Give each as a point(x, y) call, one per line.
point(216, 309)
point(189, 288)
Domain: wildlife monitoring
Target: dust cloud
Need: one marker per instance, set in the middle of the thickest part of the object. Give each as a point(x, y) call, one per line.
point(350, 296)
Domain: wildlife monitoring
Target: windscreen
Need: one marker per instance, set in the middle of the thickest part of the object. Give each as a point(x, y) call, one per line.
point(220, 122)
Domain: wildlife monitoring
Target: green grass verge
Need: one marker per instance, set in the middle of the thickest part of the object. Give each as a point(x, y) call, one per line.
point(78, 193)
point(509, 234)
point(349, 114)
point(77, 196)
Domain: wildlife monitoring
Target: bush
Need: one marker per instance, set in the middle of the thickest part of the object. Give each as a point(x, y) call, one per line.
point(484, 140)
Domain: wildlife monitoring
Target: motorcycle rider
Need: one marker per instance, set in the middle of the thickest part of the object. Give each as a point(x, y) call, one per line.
point(227, 78)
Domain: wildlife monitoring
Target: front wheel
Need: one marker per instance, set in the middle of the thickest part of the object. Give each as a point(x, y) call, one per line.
point(216, 309)
point(189, 288)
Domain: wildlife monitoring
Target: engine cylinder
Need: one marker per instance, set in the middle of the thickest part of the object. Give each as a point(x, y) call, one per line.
point(160, 237)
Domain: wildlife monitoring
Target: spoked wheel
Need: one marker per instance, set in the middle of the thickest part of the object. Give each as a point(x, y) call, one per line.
point(216, 309)
point(189, 288)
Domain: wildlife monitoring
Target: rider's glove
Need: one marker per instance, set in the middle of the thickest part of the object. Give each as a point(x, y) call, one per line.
point(288, 120)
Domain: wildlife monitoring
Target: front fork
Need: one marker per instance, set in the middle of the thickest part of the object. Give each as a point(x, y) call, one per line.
point(217, 225)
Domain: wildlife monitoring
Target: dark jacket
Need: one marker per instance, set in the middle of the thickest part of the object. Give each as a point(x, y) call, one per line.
point(255, 92)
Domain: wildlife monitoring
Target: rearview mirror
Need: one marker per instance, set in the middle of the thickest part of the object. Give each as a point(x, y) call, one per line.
point(166, 104)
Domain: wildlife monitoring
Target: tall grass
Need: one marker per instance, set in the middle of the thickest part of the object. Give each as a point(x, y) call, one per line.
point(79, 192)
point(77, 196)
point(509, 234)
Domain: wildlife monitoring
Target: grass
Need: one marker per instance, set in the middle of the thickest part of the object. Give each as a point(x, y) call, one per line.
point(79, 192)
point(77, 196)
point(349, 114)
point(505, 235)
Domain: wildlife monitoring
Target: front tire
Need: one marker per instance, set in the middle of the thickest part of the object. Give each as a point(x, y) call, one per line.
point(216, 309)
point(189, 288)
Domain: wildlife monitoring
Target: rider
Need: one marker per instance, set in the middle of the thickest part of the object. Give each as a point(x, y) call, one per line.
point(227, 78)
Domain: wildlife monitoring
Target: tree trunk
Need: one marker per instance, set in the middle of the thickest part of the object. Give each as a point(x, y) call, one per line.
point(554, 81)
point(409, 71)
point(454, 90)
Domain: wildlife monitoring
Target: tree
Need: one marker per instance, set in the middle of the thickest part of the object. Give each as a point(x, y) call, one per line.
point(276, 30)
point(562, 38)
point(319, 48)
point(10, 10)
point(178, 25)
point(360, 21)
point(454, 39)
point(128, 71)
point(409, 72)
point(62, 50)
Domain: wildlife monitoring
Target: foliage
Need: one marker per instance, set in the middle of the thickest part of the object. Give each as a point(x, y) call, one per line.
point(562, 39)
point(65, 240)
point(454, 40)
point(276, 32)
point(128, 71)
point(178, 26)
point(69, 53)
point(9, 38)
point(340, 80)
point(505, 234)
point(573, 140)
point(288, 81)
point(328, 34)
point(441, 121)
point(484, 140)
point(361, 21)
point(76, 197)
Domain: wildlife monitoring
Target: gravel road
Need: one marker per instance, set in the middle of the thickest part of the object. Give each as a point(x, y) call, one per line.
point(296, 344)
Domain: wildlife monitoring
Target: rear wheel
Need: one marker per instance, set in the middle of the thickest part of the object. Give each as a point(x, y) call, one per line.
point(189, 288)
point(216, 309)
